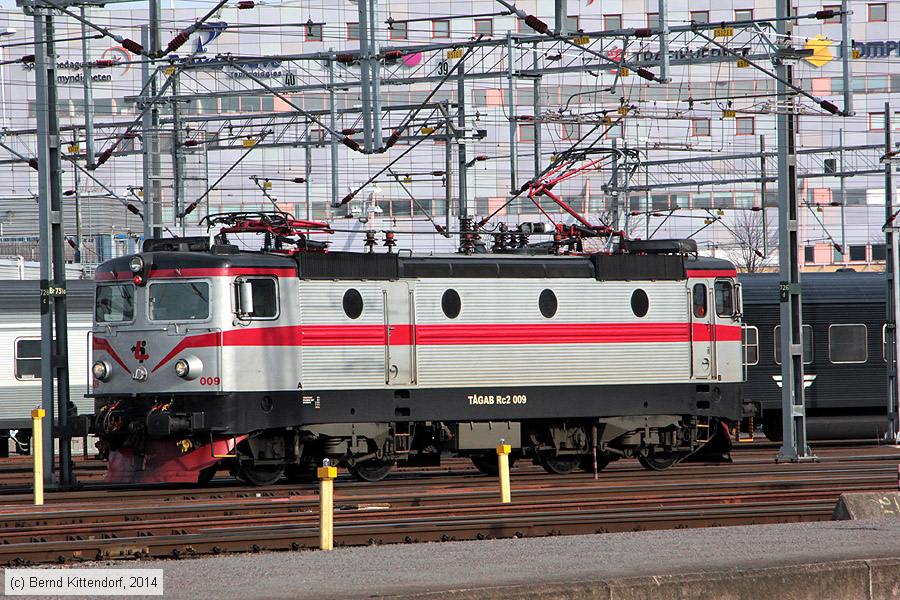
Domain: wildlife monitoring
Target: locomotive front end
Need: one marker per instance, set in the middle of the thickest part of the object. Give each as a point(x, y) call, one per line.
point(157, 369)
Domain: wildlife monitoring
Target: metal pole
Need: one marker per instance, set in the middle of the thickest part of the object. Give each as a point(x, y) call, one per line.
point(559, 17)
point(177, 178)
point(375, 65)
point(307, 171)
point(511, 110)
point(846, 51)
point(843, 197)
point(332, 124)
point(762, 193)
point(892, 269)
point(647, 201)
point(365, 87)
point(88, 92)
point(614, 191)
point(794, 446)
point(79, 236)
point(44, 73)
point(537, 114)
point(155, 179)
point(448, 172)
point(663, 8)
point(145, 140)
point(461, 132)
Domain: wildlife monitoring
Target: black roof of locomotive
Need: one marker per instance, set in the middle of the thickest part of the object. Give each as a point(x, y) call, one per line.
point(822, 288)
point(383, 266)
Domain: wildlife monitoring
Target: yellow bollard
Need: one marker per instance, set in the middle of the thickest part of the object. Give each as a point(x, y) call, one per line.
point(37, 453)
point(503, 451)
point(326, 475)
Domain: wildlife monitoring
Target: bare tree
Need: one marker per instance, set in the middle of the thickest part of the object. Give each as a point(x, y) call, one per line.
point(756, 247)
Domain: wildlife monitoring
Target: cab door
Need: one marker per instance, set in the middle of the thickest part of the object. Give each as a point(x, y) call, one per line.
point(702, 327)
point(400, 335)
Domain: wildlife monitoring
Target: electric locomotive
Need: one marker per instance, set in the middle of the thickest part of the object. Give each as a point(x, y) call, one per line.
point(208, 357)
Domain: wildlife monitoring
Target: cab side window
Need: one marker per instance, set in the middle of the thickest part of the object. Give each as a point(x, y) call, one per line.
point(265, 297)
point(724, 298)
point(699, 300)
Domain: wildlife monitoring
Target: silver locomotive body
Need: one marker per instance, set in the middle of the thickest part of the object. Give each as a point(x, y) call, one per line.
point(269, 363)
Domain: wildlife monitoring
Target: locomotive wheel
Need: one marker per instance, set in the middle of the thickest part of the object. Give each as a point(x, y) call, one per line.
point(260, 474)
point(660, 461)
point(487, 463)
point(372, 470)
point(558, 465)
point(586, 463)
point(206, 475)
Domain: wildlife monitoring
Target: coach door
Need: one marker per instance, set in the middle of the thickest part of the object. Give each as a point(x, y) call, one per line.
point(702, 340)
point(400, 334)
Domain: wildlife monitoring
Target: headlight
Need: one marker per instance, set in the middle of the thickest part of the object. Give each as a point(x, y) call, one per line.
point(182, 368)
point(101, 370)
point(188, 367)
point(136, 264)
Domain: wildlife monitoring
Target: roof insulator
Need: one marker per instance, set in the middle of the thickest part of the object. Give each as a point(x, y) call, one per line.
point(178, 41)
point(481, 157)
point(246, 4)
point(133, 209)
point(345, 58)
point(825, 14)
point(838, 247)
point(437, 173)
point(71, 242)
point(104, 156)
point(393, 55)
point(536, 24)
point(830, 107)
point(28, 58)
point(351, 143)
point(191, 143)
point(33, 163)
point(643, 32)
point(299, 180)
point(190, 208)
point(395, 137)
point(104, 62)
point(69, 193)
point(349, 131)
point(346, 199)
point(644, 73)
point(132, 46)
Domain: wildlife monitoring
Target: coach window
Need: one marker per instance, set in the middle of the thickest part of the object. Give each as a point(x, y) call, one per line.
point(548, 303)
point(807, 344)
point(848, 344)
point(353, 303)
point(640, 303)
point(265, 297)
point(28, 359)
point(179, 301)
point(451, 304)
point(724, 298)
point(699, 300)
point(115, 302)
point(751, 345)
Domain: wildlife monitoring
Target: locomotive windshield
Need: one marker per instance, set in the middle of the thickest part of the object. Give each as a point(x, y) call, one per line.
point(179, 301)
point(115, 302)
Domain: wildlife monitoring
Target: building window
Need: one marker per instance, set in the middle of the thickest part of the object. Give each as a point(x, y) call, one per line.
point(571, 131)
point(653, 20)
point(878, 13)
point(313, 32)
point(809, 254)
point(484, 27)
point(526, 132)
point(848, 344)
point(858, 253)
point(836, 8)
point(700, 16)
point(744, 126)
point(807, 352)
point(612, 22)
point(876, 121)
point(745, 14)
point(879, 252)
point(751, 345)
point(700, 127)
point(28, 359)
point(440, 28)
point(352, 31)
point(573, 24)
point(399, 31)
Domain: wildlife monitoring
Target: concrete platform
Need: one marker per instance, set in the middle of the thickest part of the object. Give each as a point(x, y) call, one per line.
point(846, 560)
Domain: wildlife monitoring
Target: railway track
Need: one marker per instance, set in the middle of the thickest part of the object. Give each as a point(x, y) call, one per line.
point(451, 502)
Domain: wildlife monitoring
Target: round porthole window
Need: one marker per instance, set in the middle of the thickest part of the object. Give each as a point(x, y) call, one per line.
point(548, 303)
point(640, 303)
point(451, 304)
point(353, 303)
